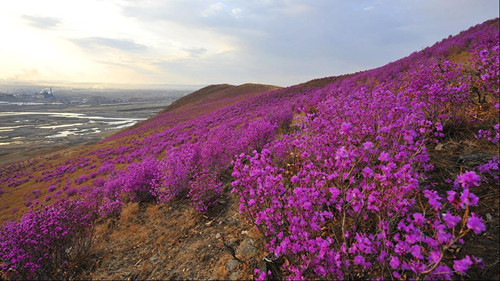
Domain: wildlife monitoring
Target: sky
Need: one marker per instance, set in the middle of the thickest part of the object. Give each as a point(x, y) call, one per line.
point(195, 42)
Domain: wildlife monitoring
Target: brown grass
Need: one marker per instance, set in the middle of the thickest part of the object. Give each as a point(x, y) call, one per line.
point(171, 243)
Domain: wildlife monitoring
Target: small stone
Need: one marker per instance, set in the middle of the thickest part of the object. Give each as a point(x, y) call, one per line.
point(489, 217)
point(231, 265)
point(232, 242)
point(247, 247)
point(217, 236)
point(235, 275)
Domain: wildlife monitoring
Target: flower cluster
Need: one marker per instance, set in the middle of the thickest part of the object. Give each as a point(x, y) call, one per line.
point(46, 239)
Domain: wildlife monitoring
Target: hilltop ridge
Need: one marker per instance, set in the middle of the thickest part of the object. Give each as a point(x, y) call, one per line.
point(213, 93)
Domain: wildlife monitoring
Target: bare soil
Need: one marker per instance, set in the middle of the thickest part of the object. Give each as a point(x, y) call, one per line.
point(174, 242)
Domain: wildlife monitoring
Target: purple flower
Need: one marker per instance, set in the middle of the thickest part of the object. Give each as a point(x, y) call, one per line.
point(450, 219)
point(345, 128)
point(468, 198)
point(394, 262)
point(461, 266)
point(367, 145)
point(416, 252)
point(452, 197)
point(443, 272)
point(439, 126)
point(433, 198)
point(359, 260)
point(468, 179)
point(476, 224)
point(435, 256)
point(418, 218)
point(384, 156)
point(367, 172)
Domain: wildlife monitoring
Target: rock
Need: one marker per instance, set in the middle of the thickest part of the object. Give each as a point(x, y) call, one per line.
point(475, 156)
point(235, 275)
point(231, 265)
point(473, 160)
point(489, 217)
point(232, 242)
point(217, 236)
point(172, 274)
point(439, 147)
point(247, 248)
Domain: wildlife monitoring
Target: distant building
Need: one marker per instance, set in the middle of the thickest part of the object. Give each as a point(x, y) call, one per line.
point(46, 93)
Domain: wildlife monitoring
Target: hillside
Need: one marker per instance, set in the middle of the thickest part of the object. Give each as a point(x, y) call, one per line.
point(214, 93)
point(386, 173)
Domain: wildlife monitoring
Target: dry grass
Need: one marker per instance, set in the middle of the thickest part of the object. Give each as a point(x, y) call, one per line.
point(170, 243)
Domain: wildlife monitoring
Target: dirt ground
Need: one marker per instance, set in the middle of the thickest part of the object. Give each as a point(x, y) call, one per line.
point(175, 242)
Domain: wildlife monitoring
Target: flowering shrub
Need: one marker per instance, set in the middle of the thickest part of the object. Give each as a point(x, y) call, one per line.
point(341, 203)
point(201, 197)
point(490, 168)
point(141, 179)
point(344, 196)
point(46, 239)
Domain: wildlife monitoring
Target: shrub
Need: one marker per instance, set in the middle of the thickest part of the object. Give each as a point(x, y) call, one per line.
point(42, 244)
point(141, 179)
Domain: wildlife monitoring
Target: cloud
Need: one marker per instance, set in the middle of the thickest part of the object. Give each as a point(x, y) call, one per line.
point(26, 74)
point(100, 42)
point(212, 10)
point(268, 41)
point(195, 52)
point(286, 40)
point(41, 22)
point(236, 12)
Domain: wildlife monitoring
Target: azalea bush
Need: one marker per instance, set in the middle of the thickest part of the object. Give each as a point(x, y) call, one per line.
point(46, 239)
point(347, 194)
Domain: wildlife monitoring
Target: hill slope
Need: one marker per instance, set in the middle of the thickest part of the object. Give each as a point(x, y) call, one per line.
point(390, 172)
point(214, 93)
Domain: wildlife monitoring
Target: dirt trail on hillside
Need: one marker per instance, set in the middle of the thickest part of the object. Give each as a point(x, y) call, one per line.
point(175, 242)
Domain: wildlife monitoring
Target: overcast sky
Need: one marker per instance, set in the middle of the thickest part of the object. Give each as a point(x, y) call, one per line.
point(282, 42)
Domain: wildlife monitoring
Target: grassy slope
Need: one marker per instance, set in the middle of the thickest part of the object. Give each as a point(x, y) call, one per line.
point(12, 200)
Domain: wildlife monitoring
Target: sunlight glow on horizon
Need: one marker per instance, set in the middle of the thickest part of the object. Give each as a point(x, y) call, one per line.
point(80, 48)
